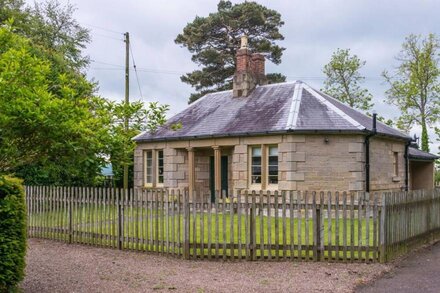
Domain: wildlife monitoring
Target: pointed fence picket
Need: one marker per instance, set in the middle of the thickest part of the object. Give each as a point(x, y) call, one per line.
point(247, 225)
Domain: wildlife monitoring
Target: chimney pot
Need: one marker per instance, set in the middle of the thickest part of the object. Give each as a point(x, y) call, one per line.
point(244, 42)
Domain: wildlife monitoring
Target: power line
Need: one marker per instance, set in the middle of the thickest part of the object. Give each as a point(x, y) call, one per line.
point(135, 70)
point(101, 28)
point(107, 37)
point(106, 63)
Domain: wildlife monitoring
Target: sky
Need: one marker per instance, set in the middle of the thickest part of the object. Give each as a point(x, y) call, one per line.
point(374, 30)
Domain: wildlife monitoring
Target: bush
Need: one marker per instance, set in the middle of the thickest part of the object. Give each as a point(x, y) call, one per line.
point(12, 233)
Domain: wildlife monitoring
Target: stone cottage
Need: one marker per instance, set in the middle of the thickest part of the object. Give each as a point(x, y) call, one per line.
point(285, 136)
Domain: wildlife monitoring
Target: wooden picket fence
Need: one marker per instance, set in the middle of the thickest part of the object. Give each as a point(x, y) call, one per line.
point(250, 225)
point(412, 218)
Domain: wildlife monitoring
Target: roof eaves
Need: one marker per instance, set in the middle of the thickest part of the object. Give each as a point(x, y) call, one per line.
point(422, 158)
point(274, 132)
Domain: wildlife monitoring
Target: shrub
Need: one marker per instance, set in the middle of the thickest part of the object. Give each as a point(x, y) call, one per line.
point(12, 233)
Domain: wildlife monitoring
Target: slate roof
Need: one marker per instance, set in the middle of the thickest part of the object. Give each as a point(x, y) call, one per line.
point(417, 154)
point(276, 108)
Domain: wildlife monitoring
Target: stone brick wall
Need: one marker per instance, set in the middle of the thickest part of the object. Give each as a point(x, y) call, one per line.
point(202, 169)
point(381, 164)
point(321, 162)
point(330, 163)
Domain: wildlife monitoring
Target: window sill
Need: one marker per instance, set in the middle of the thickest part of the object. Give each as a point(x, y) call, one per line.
point(396, 179)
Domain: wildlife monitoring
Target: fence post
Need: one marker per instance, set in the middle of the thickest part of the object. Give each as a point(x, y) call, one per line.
point(383, 230)
point(317, 222)
point(120, 219)
point(252, 227)
point(186, 216)
point(70, 203)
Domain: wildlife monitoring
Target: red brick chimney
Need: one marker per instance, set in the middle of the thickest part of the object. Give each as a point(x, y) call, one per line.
point(249, 71)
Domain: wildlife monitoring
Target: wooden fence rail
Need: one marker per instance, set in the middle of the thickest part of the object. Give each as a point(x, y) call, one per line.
point(250, 225)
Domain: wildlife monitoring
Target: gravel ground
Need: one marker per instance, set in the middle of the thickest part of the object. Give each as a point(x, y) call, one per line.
point(58, 267)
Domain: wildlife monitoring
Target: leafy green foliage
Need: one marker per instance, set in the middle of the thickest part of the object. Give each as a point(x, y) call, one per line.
point(54, 130)
point(213, 41)
point(119, 145)
point(12, 233)
point(344, 79)
point(414, 86)
point(53, 27)
point(39, 128)
point(50, 26)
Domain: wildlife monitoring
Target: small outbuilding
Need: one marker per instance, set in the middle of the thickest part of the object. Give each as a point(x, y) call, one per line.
point(421, 169)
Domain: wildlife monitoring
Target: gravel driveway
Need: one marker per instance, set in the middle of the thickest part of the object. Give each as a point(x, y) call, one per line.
point(58, 267)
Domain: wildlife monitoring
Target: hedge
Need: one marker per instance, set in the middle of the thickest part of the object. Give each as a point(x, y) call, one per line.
point(12, 233)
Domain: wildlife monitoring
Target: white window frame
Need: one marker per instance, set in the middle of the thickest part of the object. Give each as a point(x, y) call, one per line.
point(264, 185)
point(158, 184)
point(146, 183)
point(154, 168)
point(255, 185)
point(268, 184)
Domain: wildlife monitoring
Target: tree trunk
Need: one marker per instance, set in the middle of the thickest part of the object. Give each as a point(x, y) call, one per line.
point(425, 140)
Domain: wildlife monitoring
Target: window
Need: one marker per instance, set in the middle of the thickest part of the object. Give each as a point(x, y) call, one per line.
point(263, 166)
point(148, 168)
point(256, 165)
point(153, 168)
point(273, 165)
point(396, 164)
point(160, 167)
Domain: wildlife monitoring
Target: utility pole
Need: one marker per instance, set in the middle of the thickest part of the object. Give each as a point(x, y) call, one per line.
point(127, 97)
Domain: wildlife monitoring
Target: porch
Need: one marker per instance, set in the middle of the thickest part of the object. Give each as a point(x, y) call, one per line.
point(210, 171)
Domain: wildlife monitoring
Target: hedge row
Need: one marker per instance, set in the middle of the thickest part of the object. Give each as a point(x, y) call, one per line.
point(12, 233)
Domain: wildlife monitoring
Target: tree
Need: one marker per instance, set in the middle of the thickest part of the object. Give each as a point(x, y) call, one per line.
point(53, 27)
point(120, 146)
point(344, 79)
point(213, 41)
point(39, 128)
point(414, 86)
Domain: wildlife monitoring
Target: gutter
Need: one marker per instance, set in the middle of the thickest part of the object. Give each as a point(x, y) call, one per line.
point(367, 153)
point(264, 133)
point(406, 156)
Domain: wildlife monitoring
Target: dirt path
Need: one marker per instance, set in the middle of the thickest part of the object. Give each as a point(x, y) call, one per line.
point(58, 267)
point(420, 272)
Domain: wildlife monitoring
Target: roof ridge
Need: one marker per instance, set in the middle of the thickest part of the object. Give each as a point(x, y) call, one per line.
point(278, 83)
point(294, 106)
point(338, 111)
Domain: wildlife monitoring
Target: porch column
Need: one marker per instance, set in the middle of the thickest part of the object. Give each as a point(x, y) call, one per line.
point(217, 169)
point(191, 171)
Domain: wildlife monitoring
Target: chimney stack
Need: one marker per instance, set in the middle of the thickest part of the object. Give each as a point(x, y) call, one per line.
point(249, 72)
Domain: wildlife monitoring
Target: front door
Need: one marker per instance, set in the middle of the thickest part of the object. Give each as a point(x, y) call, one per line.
point(224, 176)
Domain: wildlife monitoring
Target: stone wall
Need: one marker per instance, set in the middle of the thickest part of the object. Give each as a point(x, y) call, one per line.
point(320, 162)
point(201, 159)
point(382, 175)
point(330, 163)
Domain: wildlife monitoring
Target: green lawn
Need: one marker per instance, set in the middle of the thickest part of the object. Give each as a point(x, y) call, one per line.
point(168, 228)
